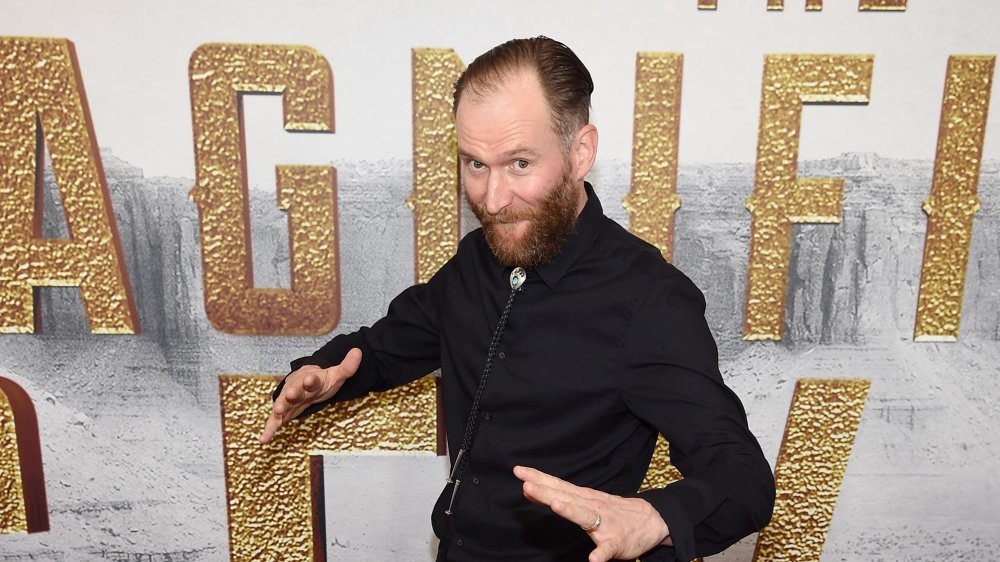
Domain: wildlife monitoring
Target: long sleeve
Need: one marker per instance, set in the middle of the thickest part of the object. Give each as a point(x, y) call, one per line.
point(671, 380)
point(399, 348)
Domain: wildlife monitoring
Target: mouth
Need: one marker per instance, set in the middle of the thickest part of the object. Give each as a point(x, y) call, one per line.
point(510, 225)
point(510, 218)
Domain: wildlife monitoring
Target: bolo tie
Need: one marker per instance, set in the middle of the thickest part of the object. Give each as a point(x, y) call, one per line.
point(517, 278)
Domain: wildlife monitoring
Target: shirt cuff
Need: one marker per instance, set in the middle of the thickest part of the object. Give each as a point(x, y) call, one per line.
point(678, 523)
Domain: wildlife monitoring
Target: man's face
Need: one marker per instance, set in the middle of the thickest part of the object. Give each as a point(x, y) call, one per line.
point(518, 181)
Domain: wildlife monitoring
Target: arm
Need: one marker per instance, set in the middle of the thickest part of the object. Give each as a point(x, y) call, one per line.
point(398, 349)
point(621, 528)
point(672, 381)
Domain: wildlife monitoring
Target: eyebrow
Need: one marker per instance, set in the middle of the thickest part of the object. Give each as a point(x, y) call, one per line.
point(520, 151)
point(517, 151)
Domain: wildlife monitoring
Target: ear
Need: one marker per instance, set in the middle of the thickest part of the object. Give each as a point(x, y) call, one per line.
point(583, 153)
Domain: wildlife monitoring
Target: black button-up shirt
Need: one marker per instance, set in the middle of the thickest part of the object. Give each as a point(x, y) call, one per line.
point(605, 347)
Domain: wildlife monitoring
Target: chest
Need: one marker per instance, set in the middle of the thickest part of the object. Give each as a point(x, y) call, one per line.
point(560, 346)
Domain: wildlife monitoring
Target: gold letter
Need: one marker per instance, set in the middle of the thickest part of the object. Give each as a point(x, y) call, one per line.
point(23, 507)
point(819, 434)
point(43, 103)
point(437, 193)
point(817, 5)
point(811, 5)
point(657, 116)
point(436, 197)
point(219, 77)
point(274, 490)
point(661, 471)
point(882, 5)
point(953, 202)
point(779, 198)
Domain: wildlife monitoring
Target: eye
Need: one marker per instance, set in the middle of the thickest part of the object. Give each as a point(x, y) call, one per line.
point(521, 164)
point(476, 164)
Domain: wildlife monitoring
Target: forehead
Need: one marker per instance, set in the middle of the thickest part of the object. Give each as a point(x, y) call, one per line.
point(514, 113)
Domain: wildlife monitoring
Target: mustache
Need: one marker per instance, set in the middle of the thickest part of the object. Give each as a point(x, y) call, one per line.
point(503, 217)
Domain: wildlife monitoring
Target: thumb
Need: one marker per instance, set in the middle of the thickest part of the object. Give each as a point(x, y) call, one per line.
point(349, 365)
point(602, 553)
point(335, 376)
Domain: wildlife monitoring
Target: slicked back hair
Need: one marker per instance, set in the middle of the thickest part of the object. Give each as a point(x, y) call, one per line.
point(565, 81)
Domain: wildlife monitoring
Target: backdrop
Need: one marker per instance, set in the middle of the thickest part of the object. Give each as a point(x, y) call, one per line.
point(826, 173)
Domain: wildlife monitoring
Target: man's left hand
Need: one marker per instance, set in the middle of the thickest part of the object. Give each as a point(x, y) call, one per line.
point(625, 527)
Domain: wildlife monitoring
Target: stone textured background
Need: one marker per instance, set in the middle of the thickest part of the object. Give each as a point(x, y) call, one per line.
point(130, 426)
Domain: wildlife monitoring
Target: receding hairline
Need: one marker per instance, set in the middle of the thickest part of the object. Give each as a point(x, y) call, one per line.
point(566, 84)
point(483, 90)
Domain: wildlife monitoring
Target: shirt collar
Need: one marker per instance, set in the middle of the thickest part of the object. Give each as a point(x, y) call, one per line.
point(577, 242)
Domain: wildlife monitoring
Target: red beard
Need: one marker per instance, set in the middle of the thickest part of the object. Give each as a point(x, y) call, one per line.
point(549, 223)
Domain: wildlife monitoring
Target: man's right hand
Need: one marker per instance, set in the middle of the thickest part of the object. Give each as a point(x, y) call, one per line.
point(306, 386)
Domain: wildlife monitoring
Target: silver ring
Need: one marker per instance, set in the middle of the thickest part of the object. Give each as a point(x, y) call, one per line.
point(597, 523)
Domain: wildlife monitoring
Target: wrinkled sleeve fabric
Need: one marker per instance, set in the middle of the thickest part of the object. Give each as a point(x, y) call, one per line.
point(399, 348)
point(671, 380)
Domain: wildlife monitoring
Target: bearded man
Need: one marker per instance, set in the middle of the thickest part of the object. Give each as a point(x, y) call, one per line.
point(565, 345)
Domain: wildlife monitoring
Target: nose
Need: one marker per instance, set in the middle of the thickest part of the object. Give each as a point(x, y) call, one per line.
point(498, 193)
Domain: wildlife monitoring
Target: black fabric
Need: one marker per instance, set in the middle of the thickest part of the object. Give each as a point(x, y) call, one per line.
point(606, 347)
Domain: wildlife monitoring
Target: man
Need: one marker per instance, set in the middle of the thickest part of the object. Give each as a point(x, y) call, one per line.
point(592, 344)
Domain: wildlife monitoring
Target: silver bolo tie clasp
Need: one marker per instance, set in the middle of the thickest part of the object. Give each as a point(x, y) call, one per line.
point(517, 278)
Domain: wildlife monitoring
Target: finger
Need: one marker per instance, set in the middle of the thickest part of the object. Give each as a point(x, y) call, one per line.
point(291, 393)
point(303, 385)
point(311, 382)
point(294, 410)
point(274, 421)
point(299, 384)
point(536, 476)
point(280, 412)
point(576, 513)
point(300, 392)
point(287, 406)
point(283, 403)
point(543, 494)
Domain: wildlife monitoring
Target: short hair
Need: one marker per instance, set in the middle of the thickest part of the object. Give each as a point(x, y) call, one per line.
point(565, 81)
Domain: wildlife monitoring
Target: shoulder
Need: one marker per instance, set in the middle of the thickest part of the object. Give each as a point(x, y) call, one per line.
point(639, 259)
point(666, 314)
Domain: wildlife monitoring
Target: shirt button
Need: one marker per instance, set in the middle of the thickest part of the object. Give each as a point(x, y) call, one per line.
point(475, 480)
point(459, 542)
point(487, 416)
point(503, 355)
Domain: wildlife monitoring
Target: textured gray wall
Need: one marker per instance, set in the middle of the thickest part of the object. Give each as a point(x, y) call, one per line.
point(130, 425)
